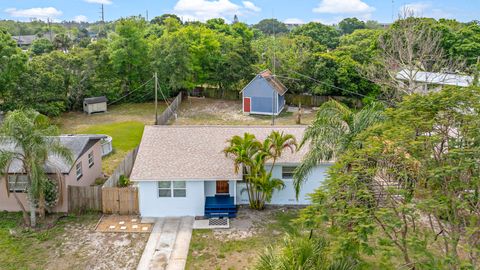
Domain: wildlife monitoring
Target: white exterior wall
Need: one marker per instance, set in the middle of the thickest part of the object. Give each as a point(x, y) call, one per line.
point(151, 205)
point(286, 196)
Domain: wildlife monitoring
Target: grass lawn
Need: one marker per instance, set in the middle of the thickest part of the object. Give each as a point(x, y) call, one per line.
point(124, 122)
point(25, 249)
point(239, 246)
point(125, 135)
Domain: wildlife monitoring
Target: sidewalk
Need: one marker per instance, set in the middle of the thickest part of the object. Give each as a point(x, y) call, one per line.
point(167, 247)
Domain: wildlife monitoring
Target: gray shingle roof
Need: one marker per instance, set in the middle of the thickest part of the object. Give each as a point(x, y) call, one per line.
point(435, 78)
point(77, 144)
point(195, 152)
point(94, 100)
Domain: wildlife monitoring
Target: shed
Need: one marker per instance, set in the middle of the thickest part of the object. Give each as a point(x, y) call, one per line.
point(264, 95)
point(95, 104)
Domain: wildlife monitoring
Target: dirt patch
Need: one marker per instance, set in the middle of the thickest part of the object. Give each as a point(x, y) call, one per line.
point(239, 246)
point(123, 224)
point(206, 111)
point(80, 247)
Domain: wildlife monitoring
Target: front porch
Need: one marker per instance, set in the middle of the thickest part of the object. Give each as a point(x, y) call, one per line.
point(220, 199)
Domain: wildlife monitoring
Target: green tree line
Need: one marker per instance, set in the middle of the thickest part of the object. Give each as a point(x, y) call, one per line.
point(53, 76)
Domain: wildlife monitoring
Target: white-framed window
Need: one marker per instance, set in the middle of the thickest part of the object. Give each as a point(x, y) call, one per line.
point(179, 189)
point(17, 183)
point(287, 172)
point(78, 170)
point(168, 189)
point(90, 159)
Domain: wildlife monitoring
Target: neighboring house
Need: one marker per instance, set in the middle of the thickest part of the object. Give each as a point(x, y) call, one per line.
point(182, 171)
point(27, 40)
point(86, 168)
point(95, 104)
point(423, 82)
point(265, 94)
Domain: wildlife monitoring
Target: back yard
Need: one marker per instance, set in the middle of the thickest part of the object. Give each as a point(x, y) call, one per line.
point(123, 122)
point(206, 111)
point(239, 247)
point(71, 243)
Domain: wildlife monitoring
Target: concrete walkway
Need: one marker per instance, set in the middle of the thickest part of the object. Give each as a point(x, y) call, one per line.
point(167, 247)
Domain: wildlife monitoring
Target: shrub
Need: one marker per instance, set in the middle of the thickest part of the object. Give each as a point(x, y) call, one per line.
point(123, 181)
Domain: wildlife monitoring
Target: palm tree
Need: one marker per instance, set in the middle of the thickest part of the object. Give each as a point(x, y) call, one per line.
point(333, 131)
point(277, 142)
point(251, 155)
point(29, 134)
point(301, 252)
point(243, 151)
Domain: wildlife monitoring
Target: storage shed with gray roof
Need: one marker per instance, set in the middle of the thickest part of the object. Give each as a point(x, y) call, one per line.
point(265, 94)
point(95, 104)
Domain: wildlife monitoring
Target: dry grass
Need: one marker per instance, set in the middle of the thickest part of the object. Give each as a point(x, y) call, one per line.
point(239, 247)
point(205, 111)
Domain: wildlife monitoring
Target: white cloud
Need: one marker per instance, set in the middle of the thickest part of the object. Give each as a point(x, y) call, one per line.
point(202, 10)
point(105, 2)
point(343, 7)
point(251, 6)
point(293, 21)
point(424, 9)
point(37, 13)
point(80, 18)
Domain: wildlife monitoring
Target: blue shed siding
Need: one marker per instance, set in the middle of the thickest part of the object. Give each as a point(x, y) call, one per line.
point(261, 94)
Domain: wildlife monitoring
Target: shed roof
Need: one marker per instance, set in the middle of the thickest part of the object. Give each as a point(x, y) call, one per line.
point(94, 100)
point(435, 77)
point(78, 145)
point(272, 80)
point(196, 152)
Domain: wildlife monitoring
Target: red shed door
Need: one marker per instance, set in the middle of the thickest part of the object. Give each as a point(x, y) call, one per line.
point(246, 104)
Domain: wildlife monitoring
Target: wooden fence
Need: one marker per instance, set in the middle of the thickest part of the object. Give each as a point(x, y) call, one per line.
point(124, 168)
point(316, 101)
point(81, 199)
point(171, 110)
point(123, 201)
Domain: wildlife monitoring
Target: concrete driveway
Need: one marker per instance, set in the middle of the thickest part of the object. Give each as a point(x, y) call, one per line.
point(167, 247)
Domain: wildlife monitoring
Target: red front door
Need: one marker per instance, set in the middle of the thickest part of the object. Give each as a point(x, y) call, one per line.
point(246, 104)
point(222, 187)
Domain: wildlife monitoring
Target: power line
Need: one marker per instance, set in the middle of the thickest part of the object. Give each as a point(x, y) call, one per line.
point(136, 89)
point(333, 86)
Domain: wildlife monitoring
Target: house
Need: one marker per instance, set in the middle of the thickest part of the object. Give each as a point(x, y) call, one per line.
point(423, 82)
point(26, 40)
point(86, 168)
point(182, 171)
point(95, 104)
point(265, 94)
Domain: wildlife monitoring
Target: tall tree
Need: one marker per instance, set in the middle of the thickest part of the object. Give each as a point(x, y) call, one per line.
point(348, 25)
point(30, 135)
point(323, 34)
point(11, 67)
point(129, 55)
point(271, 26)
point(333, 131)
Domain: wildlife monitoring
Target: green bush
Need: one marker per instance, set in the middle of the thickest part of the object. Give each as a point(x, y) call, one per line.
point(123, 181)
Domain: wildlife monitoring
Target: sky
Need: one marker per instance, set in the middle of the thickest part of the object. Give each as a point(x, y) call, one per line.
point(251, 11)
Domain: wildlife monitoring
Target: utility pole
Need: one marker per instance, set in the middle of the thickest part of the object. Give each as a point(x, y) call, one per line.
point(103, 14)
point(147, 15)
point(156, 99)
point(273, 67)
point(50, 29)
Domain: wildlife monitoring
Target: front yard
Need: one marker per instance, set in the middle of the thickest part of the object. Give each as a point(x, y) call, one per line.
point(71, 243)
point(239, 247)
